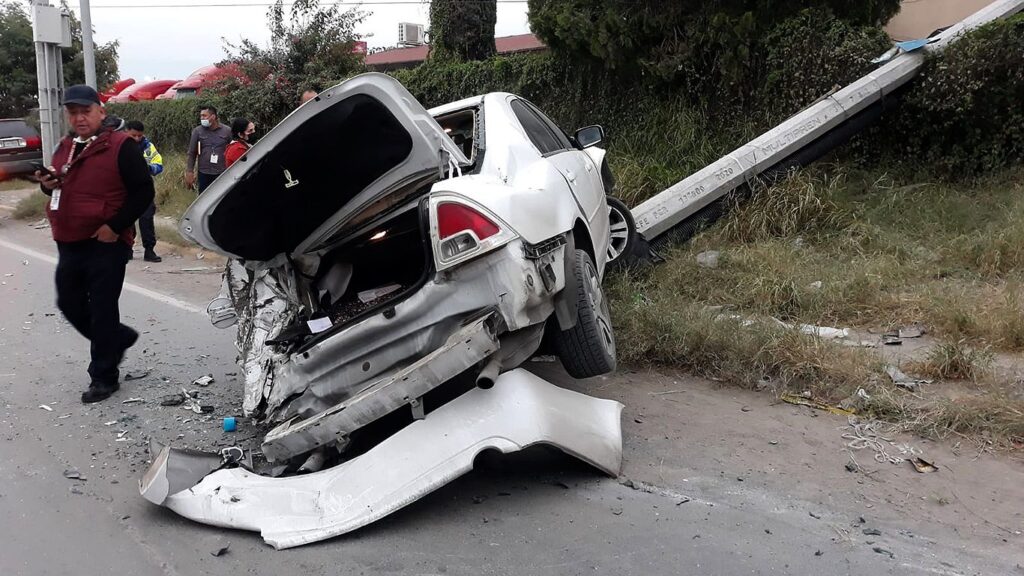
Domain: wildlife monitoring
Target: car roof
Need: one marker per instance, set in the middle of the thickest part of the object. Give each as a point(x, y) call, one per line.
point(454, 106)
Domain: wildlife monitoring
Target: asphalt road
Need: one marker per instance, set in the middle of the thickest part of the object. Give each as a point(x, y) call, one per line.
point(534, 513)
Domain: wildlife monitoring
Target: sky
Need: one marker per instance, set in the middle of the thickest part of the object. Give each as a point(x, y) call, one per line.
point(168, 39)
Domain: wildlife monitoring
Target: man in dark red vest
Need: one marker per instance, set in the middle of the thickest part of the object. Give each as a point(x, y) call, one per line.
point(98, 188)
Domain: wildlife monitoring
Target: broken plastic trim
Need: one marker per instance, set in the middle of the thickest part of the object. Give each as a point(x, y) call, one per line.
point(521, 410)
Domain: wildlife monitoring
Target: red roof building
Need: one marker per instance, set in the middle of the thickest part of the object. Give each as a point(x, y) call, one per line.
point(413, 56)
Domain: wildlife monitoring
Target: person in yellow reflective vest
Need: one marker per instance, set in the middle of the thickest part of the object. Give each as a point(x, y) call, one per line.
point(147, 229)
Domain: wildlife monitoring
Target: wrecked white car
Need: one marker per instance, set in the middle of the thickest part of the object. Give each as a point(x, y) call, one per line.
point(380, 250)
point(393, 262)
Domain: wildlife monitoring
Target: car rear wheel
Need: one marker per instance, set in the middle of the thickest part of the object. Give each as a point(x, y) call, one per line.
point(588, 348)
point(621, 228)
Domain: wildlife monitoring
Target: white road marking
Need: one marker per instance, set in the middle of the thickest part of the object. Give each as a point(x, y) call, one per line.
point(164, 298)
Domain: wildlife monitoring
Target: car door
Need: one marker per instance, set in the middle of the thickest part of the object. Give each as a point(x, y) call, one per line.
point(576, 167)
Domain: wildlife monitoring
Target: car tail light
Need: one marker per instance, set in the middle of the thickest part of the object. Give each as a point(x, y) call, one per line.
point(464, 231)
point(34, 143)
point(454, 218)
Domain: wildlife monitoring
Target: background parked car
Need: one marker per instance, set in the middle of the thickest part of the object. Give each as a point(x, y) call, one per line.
point(20, 147)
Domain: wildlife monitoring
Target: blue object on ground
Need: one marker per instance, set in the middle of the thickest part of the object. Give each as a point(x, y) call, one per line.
point(230, 424)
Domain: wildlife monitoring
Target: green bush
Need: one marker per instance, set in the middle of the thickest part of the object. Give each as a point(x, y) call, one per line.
point(965, 113)
point(169, 123)
point(813, 52)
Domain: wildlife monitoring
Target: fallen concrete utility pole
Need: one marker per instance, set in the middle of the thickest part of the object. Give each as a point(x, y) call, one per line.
point(780, 146)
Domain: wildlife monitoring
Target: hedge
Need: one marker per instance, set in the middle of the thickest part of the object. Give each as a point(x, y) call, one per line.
point(169, 123)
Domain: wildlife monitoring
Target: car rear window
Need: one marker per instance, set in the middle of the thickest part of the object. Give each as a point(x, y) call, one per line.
point(16, 128)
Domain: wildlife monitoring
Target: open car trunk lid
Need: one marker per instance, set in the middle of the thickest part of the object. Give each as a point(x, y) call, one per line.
point(357, 149)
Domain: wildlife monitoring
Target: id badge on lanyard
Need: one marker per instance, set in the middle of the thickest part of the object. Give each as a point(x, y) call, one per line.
point(55, 199)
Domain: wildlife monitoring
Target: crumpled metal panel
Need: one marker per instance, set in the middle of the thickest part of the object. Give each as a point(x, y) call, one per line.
point(521, 410)
point(464, 348)
point(333, 369)
point(264, 307)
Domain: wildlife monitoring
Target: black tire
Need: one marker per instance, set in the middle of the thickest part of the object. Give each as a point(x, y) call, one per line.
point(622, 229)
point(588, 348)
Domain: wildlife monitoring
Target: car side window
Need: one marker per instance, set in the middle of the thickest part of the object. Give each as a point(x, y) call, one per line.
point(566, 144)
point(537, 130)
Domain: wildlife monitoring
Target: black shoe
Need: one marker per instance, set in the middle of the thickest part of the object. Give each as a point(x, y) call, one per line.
point(151, 256)
point(98, 392)
point(127, 343)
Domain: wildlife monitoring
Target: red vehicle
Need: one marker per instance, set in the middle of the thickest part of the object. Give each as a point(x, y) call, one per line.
point(116, 89)
point(202, 79)
point(143, 91)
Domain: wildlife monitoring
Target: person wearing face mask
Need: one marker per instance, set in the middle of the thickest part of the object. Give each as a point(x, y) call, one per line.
point(206, 149)
point(242, 130)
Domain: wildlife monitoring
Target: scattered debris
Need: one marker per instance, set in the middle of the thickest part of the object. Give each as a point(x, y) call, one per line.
point(813, 515)
point(193, 270)
point(892, 339)
point(111, 423)
point(901, 380)
point(129, 376)
point(173, 400)
point(220, 548)
point(802, 400)
point(880, 550)
point(45, 407)
point(203, 380)
point(133, 401)
point(865, 434)
point(73, 474)
point(872, 532)
point(708, 259)
point(913, 331)
point(923, 466)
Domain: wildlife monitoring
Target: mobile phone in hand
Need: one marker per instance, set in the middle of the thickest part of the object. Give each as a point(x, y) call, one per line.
point(39, 167)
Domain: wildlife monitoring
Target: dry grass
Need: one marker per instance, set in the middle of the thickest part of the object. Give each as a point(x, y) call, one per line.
point(956, 359)
point(16, 184)
point(31, 206)
point(855, 250)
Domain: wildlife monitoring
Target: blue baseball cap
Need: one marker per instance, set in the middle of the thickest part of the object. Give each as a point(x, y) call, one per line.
point(80, 94)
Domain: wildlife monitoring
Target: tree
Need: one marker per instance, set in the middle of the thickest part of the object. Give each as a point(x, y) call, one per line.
point(462, 29)
point(18, 87)
point(699, 42)
point(17, 62)
point(310, 46)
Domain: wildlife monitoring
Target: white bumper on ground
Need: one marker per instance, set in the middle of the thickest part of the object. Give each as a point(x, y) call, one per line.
point(519, 411)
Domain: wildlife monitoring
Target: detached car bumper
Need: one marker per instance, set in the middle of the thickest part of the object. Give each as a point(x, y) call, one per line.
point(521, 410)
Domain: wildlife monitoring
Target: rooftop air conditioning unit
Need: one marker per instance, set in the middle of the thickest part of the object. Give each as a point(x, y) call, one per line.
point(410, 34)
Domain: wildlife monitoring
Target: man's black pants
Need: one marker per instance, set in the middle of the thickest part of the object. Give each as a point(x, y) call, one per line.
point(146, 227)
point(204, 180)
point(90, 275)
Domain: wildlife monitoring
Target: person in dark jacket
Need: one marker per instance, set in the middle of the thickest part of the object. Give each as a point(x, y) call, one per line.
point(241, 132)
point(137, 131)
point(206, 149)
point(99, 185)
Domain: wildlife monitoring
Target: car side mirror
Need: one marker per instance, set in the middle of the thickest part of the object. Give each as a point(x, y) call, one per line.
point(589, 136)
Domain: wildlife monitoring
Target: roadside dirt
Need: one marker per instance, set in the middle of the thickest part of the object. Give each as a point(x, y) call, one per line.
point(694, 441)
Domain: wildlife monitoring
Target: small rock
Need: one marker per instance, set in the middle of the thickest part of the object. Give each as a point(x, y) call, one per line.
point(813, 515)
point(880, 550)
point(75, 490)
point(173, 399)
point(746, 409)
point(815, 285)
point(872, 532)
point(617, 511)
point(818, 553)
point(708, 259)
